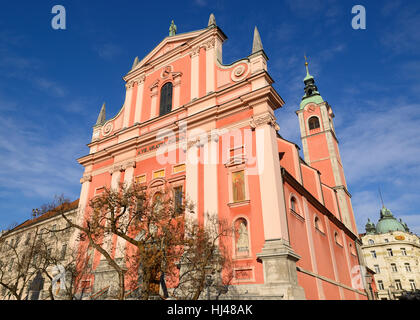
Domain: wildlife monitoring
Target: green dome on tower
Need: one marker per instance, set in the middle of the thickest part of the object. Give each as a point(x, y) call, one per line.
point(388, 223)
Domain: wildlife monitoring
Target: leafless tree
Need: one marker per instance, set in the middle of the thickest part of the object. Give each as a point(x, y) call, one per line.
point(164, 252)
point(17, 264)
point(26, 263)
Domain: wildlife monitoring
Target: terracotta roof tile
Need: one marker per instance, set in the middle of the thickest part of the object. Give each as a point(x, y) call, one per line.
point(49, 214)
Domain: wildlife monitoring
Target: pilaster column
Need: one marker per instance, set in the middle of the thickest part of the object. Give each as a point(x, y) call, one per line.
point(210, 63)
point(176, 77)
point(271, 182)
point(127, 105)
point(195, 54)
point(128, 167)
point(115, 172)
point(139, 100)
point(191, 167)
point(211, 201)
point(278, 257)
point(83, 200)
point(154, 112)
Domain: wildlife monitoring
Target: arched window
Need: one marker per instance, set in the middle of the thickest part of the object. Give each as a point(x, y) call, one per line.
point(371, 241)
point(318, 225)
point(337, 239)
point(352, 250)
point(313, 123)
point(165, 99)
point(293, 204)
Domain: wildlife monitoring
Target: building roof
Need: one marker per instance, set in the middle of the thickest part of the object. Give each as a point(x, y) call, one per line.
point(387, 223)
point(65, 207)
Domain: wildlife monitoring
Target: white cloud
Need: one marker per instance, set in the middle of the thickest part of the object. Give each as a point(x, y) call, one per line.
point(107, 51)
point(200, 3)
point(49, 86)
point(380, 144)
point(36, 166)
point(402, 33)
point(380, 148)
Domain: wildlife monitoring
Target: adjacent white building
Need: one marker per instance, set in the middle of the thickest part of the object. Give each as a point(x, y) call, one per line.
point(393, 252)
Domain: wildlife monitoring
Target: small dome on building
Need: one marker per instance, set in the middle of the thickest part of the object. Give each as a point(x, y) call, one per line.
point(388, 223)
point(370, 227)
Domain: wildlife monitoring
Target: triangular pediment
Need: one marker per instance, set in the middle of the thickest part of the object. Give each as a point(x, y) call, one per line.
point(168, 44)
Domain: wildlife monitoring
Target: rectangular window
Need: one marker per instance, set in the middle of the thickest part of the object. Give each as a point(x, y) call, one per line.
point(390, 252)
point(394, 267)
point(238, 186)
point(178, 197)
point(412, 285)
point(373, 253)
point(398, 284)
point(403, 252)
point(407, 267)
point(159, 174)
point(377, 269)
point(178, 168)
point(386, 240)
point(99, 190)
point(141, 179)
point(380, 285)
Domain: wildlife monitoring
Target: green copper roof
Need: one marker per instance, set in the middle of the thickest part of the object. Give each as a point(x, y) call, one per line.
point(311, 90)
point(315, 99)
point(370, 227)
point(388, 223)
point(308, 76)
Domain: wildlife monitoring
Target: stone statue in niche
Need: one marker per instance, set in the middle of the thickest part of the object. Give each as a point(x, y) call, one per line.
point(242, 244)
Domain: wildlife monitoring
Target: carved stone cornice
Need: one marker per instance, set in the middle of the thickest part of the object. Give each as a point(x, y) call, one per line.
point(122, 166)
point(128, 164)
point(154, 88)
point(208, 44)
point(86, 178)
point(195, 51)
point(115, 168)
point(129, 84)
point(140, 79)
point(264, 119)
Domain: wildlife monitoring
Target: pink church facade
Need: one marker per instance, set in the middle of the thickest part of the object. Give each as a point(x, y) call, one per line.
point(191, 123)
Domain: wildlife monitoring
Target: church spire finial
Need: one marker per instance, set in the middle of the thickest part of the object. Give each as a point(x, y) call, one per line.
point(311, 90)
point(256, 44)
point(172, 29)
point(101, 117)
point(212, 20)
point(306, 65)
point(135, 63)
point(308, 75)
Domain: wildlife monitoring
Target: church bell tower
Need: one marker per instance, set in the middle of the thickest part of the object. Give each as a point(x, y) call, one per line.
point(320, 146)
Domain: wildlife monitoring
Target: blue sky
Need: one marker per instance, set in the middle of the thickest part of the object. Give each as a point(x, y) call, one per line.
point(53, 83)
